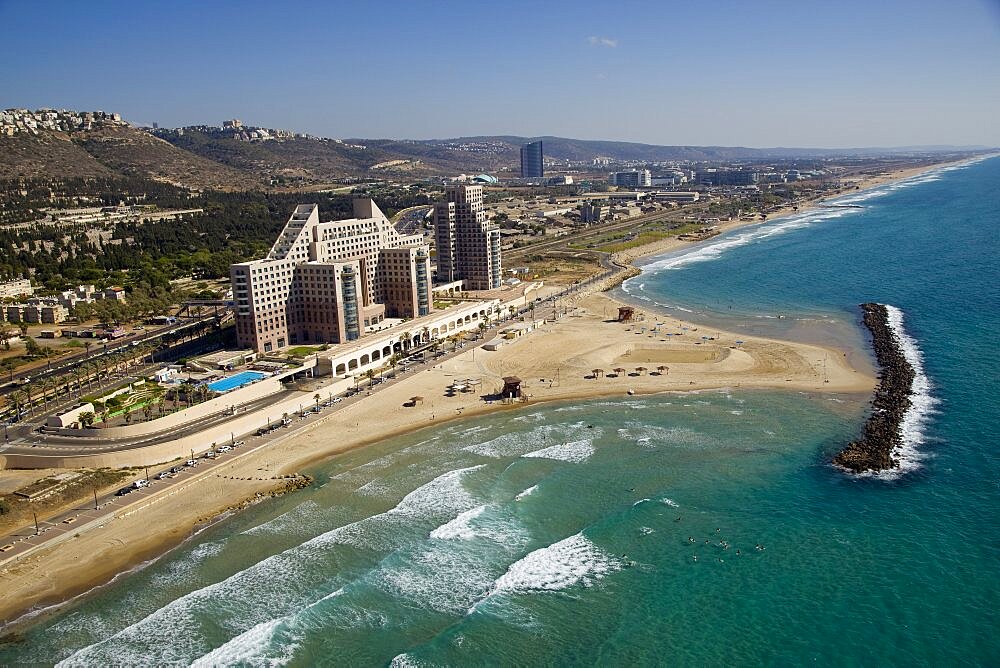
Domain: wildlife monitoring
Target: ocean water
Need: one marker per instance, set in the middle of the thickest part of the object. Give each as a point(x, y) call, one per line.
point(694, 529)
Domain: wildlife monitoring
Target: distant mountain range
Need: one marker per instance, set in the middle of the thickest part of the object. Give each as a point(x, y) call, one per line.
point(207, 157)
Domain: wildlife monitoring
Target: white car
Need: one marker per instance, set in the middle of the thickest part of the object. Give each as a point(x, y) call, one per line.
point(141, 482)
point(337, 400)
point(225, 448)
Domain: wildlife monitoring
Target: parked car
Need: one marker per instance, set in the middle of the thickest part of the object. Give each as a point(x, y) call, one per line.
point(225, 448)
point(163, 475)
point(337, 400)
point(140, 483)
point(190, 462)
point(125, 490)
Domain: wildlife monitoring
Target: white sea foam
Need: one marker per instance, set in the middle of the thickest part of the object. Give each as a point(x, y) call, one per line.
point(513, 444)
point(526, 493)
point(573, 451)
point(669, 502)
point(282, 523)
point(172, 634)
point(256, 646)
point(574, 560)
point(640, 502)
point(459, 528)
point(246, 649)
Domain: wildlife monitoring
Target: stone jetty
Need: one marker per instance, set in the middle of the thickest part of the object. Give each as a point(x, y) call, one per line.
point(882, 432)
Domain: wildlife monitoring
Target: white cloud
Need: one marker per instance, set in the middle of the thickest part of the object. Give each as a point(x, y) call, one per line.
point(602, 41)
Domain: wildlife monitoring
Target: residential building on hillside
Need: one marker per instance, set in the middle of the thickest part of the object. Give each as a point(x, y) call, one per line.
point(467, 244)
point(16, 288)
point(330, 282)
point(531, 161)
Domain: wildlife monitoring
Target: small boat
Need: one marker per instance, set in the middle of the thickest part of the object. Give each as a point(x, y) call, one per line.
point(631, 391)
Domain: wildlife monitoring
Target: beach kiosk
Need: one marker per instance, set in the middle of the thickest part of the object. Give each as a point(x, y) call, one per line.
point(626, 314)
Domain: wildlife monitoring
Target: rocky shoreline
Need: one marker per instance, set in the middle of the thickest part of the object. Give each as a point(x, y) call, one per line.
point(881, 436)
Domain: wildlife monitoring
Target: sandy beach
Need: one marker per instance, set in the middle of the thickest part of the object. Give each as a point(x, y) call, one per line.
point(556, 362)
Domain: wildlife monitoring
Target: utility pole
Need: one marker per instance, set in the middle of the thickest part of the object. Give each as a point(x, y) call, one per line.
point(147, 473)
point(36, 522)
point(94, 489)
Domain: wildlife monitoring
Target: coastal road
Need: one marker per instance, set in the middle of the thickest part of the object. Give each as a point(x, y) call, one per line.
point(86, 516)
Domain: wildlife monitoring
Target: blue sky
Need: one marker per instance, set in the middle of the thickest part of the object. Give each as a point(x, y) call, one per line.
point(764, 73)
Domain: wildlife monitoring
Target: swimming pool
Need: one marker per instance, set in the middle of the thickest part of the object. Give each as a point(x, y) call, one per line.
point(236, 380)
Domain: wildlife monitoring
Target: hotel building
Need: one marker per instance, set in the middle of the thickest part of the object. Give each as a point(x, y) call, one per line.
point(466, 243)
point(330, 282)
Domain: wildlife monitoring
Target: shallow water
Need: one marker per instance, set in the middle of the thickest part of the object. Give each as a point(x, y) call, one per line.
point(562, 534)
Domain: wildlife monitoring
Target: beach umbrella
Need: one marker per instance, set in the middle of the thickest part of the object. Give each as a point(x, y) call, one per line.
point(640, 369)
point(618, 370)
point(415, 400)
point(597, 372)
point(663, 368)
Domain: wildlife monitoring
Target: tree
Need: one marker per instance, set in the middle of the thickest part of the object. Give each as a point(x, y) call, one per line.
point(87, 418)
point(316, 399)
point(24, 328)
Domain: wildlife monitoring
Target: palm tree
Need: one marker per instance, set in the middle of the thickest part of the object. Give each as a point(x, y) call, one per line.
point(404, 339)
point(87, 418)
point(316, 399)
point(511, 309)
point(425, 334)
point(28, 389)
point(186, 389)
point(370, 375)
point(531, 307)
point(17, 398)
point(147, 411)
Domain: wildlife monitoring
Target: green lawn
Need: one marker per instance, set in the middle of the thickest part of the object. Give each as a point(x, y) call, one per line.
point(302, 351)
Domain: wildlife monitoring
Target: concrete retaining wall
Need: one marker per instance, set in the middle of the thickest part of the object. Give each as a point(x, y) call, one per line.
point(240, 425)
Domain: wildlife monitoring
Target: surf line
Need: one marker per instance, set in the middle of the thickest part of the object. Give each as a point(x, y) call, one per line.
point(882, 435)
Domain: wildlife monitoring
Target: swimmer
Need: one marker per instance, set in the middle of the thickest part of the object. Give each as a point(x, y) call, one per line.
point(690, 539)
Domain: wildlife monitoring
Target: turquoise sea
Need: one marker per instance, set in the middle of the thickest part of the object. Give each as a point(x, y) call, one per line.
point(696, 529)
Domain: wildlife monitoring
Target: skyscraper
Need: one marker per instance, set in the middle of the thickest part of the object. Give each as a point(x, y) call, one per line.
point(531, 161)
point(468, 245)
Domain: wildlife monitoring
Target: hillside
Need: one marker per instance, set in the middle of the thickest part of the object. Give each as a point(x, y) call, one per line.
point(134, 152)
point(50, 154)
point(204, 157)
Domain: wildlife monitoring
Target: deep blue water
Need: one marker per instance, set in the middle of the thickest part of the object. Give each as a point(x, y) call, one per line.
point(595, 533)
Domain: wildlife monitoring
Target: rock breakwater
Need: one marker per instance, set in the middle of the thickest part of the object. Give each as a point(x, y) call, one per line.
point(882, 435)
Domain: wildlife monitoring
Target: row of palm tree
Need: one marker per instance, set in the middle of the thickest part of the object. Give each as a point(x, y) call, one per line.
point(89, 371)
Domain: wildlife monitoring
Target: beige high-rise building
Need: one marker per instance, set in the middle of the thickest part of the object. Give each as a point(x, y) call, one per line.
point(330, 282)
point(467, 244)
